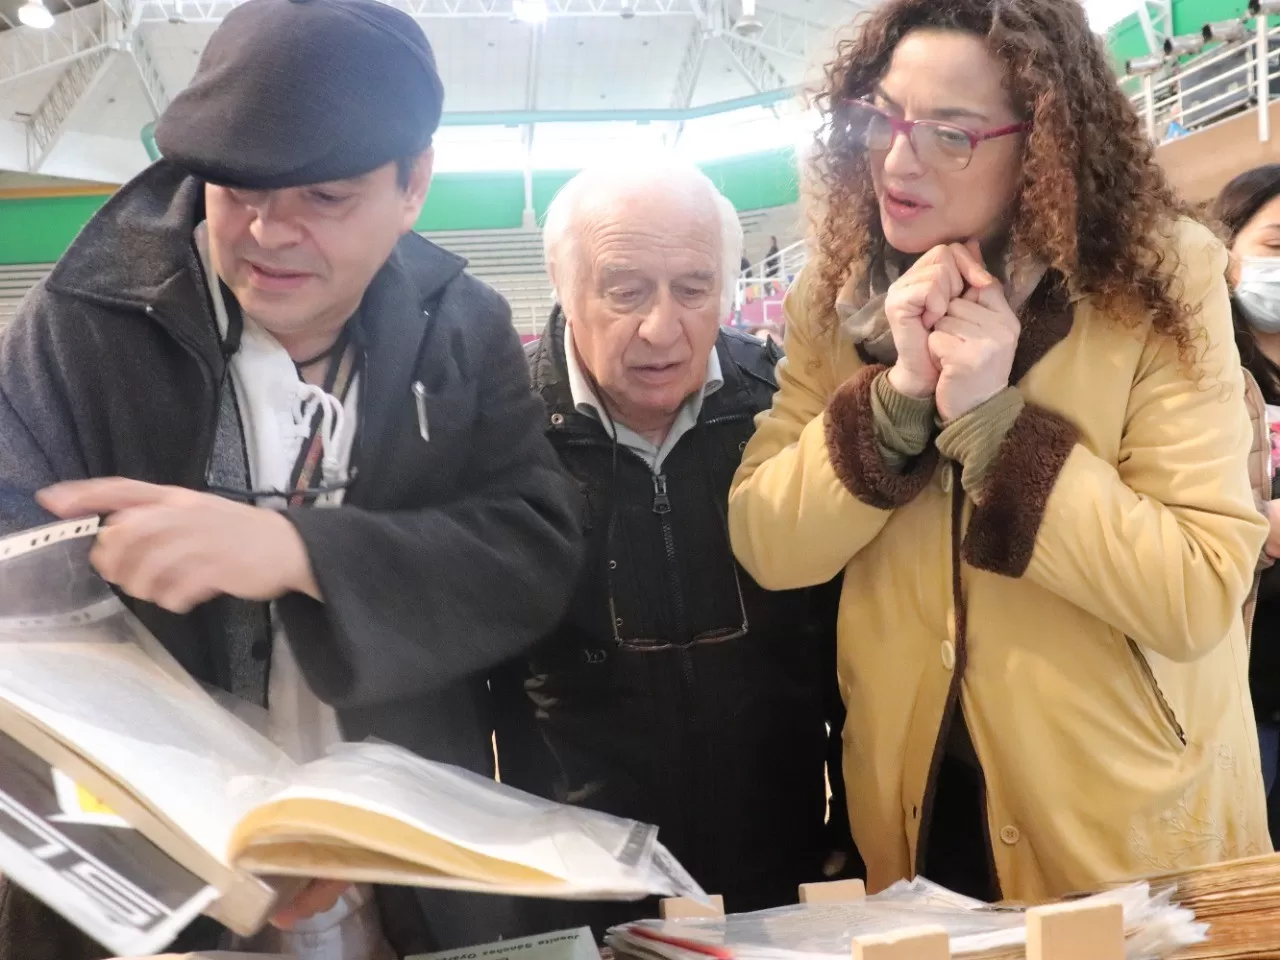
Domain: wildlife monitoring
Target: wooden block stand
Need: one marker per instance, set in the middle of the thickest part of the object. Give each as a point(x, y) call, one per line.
point(1067, 931)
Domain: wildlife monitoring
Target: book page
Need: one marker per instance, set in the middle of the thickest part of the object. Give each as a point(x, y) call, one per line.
point(79, 664)
point(386, 800)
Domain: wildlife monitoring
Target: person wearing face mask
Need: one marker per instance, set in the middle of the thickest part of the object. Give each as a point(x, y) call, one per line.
point(1012, 413)
point(1249, 209)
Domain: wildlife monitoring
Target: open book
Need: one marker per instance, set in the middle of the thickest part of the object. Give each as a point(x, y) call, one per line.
point(86, 688)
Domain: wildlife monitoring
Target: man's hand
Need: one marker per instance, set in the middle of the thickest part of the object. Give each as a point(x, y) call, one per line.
point(178, 548)
point(316, 897)
point(973, 343)
point(915, 303)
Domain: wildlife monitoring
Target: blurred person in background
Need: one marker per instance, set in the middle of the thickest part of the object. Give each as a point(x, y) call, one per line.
point(772, 259)
point(675, 691)
point(1011, 413)
point(1249, 210)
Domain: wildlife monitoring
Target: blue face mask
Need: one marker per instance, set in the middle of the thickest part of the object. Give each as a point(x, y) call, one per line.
point(1257, 293)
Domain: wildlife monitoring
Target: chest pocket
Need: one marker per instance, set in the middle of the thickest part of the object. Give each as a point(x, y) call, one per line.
point(427, 470)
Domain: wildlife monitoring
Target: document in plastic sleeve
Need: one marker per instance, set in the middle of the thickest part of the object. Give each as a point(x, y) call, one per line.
point(565, 945)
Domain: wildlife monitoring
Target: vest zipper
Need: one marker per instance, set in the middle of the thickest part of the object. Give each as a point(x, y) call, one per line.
point(693, 745)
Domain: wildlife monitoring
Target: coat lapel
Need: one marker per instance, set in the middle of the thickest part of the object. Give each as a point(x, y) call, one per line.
point(394, 324)
point(1046, 318)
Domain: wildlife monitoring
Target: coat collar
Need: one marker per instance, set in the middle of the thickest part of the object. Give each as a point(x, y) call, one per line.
point(551, 382)
point(1047, 318)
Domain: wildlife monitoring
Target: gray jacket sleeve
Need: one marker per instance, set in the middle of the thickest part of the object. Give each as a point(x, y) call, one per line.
point(417, 600)
point(37, 446)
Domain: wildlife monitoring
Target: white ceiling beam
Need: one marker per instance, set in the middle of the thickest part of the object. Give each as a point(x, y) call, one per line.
point(52, 118)
point(212, 11)
point(695, 55)
point(79, 32)
point(531, 104)
point(152, 83)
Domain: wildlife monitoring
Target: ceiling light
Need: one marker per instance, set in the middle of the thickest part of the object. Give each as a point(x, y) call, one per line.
point(748, 25)
point(530, 11)
point(35, 14)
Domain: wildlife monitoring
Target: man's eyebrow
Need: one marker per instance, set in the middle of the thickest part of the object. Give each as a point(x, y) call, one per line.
point(702, 276)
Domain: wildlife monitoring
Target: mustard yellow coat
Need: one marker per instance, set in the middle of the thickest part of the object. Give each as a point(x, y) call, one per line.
point(1104, 654)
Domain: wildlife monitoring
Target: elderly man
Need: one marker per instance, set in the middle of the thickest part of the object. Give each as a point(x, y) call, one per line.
point(325, 479)
point(675, 691)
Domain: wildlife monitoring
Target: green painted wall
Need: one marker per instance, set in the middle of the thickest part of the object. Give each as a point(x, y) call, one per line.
point(39, 230)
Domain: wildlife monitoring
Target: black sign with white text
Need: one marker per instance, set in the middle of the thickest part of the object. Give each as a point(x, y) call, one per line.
point(67, 849)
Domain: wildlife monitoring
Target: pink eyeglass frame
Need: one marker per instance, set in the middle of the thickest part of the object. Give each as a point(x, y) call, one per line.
point(904, 127)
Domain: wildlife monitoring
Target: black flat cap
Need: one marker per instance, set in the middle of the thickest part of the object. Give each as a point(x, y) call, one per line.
point(295, 92)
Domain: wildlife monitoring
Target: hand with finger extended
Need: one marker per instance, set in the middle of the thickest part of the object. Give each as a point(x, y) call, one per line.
point(974, 342)
point(914, 303)
point(178, 548)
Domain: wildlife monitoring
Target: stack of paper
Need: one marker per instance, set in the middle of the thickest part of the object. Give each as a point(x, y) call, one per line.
point(1239, 900)
point(1154, 928)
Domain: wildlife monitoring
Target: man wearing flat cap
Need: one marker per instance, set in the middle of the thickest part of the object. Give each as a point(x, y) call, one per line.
point(326, 485)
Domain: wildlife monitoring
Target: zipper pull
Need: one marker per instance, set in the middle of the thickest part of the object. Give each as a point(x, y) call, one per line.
point(661, 502)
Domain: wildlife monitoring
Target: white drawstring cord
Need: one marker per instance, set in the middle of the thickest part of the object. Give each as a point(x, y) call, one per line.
point(310, 398)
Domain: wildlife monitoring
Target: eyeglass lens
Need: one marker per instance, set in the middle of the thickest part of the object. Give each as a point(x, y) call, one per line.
point(937, 144)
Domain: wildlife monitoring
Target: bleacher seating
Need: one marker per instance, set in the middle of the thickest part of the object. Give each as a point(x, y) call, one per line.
point(15, 281)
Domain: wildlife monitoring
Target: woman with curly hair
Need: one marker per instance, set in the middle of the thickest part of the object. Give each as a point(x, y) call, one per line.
point(1011, 413)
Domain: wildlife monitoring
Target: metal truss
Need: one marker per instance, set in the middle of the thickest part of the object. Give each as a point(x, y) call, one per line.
point(51, 118)
point(152, 84)
point(781, 34)
point(755, 67)
point(695, 54)
point(212, 11)
point(80, 32)
point(1156, 17)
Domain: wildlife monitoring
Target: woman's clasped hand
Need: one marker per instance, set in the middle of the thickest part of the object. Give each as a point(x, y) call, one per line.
point(954, 331)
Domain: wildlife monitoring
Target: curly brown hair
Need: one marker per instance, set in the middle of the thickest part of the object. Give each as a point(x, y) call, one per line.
point(1092, 200)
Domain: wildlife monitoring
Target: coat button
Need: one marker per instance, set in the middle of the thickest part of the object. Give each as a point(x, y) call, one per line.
point(557, 419)
point(260, 650)
point(948, 654)
point(944, 477)
point(1009, 835)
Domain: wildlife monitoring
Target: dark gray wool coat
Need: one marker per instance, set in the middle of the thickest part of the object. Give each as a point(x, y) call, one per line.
point(447, 557)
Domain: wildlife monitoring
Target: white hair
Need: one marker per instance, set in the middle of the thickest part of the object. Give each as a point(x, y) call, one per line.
point(602, 184)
